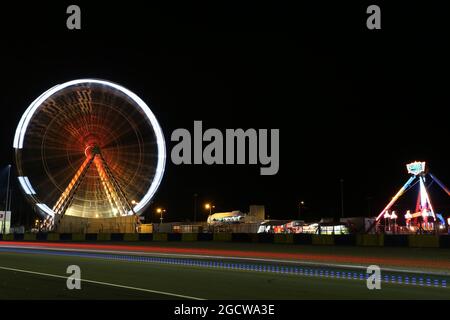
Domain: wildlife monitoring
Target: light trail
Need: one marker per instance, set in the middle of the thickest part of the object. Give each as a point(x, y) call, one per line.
point(303, 258)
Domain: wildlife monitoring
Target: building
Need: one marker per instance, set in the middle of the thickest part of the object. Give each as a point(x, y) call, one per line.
point(226, 217)
point(256, 215)
point(5, 218)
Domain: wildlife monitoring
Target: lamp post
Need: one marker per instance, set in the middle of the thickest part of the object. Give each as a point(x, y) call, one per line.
point(300, 205)
point(209, 207)
point(342, 198)
point(161, 212)
point(7, 201)
point(195, 207)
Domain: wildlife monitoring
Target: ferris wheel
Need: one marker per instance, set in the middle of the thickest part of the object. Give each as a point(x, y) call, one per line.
point(89, 148)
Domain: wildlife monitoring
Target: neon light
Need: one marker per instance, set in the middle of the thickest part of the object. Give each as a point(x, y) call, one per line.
point(427, 198)
point(34, 106)
point(26, 185)
point(23, 123)
point(416, 167)
point(423, 194)
point(443, 187)
point(46, 209)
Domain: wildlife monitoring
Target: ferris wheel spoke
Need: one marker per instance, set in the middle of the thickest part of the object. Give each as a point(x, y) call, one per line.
point(112, 189)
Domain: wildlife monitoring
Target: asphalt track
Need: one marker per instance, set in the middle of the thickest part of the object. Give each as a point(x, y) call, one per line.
point(33, 270)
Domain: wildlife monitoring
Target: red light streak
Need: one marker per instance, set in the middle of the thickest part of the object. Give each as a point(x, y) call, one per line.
point(315, 257)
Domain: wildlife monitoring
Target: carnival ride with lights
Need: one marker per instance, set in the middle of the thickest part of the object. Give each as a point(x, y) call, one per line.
point(89, 148)
point(424, 218)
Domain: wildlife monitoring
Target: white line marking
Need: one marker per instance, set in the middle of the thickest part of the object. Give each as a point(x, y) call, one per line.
point(104, 283)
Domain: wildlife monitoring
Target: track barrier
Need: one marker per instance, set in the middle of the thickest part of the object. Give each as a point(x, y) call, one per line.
point(303, 239)
point(189, 237)
point(345, 240)
point(78, 236)
point(222, 236)
point(130, 237)
point(319, 239)
point(396, 240)
point(423, 241)
point(160, 237)
point(283, 238)
point(370, 240)
point(52, 236)
point(241, 237)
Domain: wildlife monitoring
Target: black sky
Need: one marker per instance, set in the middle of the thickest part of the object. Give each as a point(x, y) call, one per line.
point(350, 103)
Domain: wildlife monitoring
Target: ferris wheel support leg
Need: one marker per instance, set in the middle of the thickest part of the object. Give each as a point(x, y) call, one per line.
point(111, 194)
point(66, 198)
point(112, 187)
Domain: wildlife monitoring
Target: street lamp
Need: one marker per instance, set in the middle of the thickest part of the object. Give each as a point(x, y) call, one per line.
point(7, 201)
point(209, 207)
point(300, 205)
point(342, 197)
point(195, 207)
point(161, 212)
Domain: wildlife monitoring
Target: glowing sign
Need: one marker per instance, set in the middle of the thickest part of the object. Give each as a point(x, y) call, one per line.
point(416, 168)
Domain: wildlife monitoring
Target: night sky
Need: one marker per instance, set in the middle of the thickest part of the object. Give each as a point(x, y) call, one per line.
point(350, 103)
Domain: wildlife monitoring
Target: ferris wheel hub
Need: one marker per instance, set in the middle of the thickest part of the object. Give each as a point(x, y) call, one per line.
point(92, 150)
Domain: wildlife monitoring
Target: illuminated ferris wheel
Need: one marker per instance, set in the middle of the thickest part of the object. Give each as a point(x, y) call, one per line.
point(89, 148)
